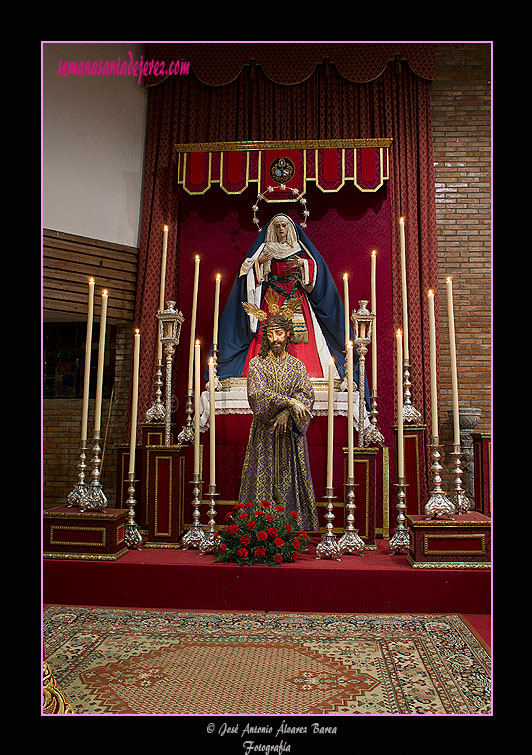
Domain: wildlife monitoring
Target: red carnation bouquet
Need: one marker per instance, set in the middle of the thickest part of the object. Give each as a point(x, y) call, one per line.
point(260, 534)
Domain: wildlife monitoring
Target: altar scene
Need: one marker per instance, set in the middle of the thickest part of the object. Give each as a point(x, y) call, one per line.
point(283, 445)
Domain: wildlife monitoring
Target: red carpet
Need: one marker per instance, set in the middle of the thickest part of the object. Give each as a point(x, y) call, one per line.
point(169, 578)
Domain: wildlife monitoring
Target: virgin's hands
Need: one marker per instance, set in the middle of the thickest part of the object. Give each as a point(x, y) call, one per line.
point(265, 257)
point(295, 262)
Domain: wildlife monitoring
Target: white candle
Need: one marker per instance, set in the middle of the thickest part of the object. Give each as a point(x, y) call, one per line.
point(403, 288)
point(400, 434)
point(193, 322)
point(212, 421)
point(346, 307)
point(135, 402)
point(87, 375)
point(350, 428)
point(454, 376)
point(433, 386)
point(162, 288)
point(197, 408)
point(216, 309)
point(101, 361)
point(330, 424)
point(374, 311)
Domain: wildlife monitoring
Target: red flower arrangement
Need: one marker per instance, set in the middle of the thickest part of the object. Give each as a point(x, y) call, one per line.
point(260, 534)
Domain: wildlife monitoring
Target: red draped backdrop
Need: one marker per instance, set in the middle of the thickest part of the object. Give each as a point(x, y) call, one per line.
point(269, 92)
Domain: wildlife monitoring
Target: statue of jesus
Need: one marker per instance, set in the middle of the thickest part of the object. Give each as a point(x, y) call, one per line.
point(281, 396)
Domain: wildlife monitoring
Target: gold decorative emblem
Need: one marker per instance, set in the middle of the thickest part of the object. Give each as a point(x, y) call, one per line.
point(282, 170)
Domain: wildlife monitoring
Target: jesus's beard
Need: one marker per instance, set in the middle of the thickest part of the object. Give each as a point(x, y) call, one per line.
point(278, 349)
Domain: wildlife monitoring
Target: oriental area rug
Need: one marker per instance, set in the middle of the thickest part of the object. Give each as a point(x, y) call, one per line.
point(144, 662)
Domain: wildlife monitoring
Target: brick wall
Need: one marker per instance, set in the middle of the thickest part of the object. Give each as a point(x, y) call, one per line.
point(62, 428)
point(461, 120)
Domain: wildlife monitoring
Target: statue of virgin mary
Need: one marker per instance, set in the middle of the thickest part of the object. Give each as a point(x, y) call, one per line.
point(283, 264)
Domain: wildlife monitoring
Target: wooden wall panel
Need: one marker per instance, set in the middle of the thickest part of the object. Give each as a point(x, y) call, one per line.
point(68, 263)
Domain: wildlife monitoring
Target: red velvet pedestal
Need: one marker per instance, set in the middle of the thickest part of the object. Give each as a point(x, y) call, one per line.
point(461, 543)
point(165, 485)
point(415, 469)
point(88, 535)
point(482, 466)
point(365, 490)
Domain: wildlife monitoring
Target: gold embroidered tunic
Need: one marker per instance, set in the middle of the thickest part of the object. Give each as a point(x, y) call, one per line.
point(276, 466)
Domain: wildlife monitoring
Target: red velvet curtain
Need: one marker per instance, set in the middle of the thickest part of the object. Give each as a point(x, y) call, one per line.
point(326, 105)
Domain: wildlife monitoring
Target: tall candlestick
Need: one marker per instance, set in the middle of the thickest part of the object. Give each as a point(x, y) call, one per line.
point(87, 374)
point(216, 309)
point(197, 408)
point(212, 425)
point(135, 402)
point(454, 376)
point(193, 322)
point(330, 424)
point(350, 429)
point(374, 330)
point(403, 288)
point(433, 386)
point(346, 307)
point(162, 288)
point(400, 433)
point(101, 361)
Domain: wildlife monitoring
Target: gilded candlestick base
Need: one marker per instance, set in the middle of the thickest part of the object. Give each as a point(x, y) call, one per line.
point(157, 412)
point(208, 544)
point(400, 539)
point(457, 496)
point(328, 546)
point(79, 491)
point(187, 433)
point(95, 499)
point(350, 542)
point(410, 413)
point(438, 503)
point(133, 537)
point(195, 534)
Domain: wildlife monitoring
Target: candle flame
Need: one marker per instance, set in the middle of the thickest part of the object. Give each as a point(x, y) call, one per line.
point(218, 277)
point(91, 280)
point(197, 257)
point(346, 276)
point(374, 253)
point(197, 343)
point(399, 332)
point(431, 292)
point(401, 220)
point(165, 227)
point(104, 292)
point(449, 279)
point(211, 360)
point(137, 332)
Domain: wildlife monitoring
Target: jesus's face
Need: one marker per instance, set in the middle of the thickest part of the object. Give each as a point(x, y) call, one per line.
point(278, 340)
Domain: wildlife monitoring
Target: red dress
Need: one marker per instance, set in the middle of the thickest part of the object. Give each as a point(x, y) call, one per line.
point(280, 287)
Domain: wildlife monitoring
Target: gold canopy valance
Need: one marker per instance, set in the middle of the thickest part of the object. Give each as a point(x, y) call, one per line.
point(281, 170)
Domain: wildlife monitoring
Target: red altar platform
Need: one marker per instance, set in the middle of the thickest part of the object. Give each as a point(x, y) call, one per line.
point(375, 582)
